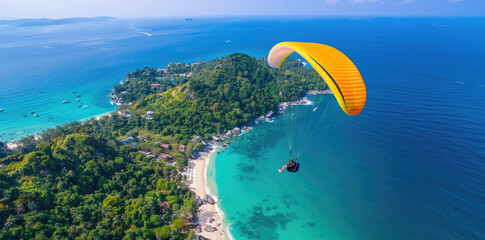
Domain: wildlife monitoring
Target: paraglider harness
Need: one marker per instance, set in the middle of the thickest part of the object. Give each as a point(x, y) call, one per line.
point(293, 167)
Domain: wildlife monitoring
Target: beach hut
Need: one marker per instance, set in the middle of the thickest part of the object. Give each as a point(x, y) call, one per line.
point(195, 155)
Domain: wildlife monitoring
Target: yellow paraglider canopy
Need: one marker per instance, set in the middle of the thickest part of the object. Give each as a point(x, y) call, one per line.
point(336, 69)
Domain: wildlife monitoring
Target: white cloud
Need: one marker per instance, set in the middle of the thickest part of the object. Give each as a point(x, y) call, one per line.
point(330, 2)
point(362, 1)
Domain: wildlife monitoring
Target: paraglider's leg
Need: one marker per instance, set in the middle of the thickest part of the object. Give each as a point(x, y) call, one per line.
point(282, 168)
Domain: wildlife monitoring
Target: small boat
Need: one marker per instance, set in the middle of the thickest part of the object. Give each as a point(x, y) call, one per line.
point(31, 112)
point(228, 41)
point(25, 115)
point(1, 110)
point(85, 106)
point(65, 101)
point(60, 84)
point(74, 92)
point(78, 95)
point(36, 115)
point(50, 117)
point(77, 100)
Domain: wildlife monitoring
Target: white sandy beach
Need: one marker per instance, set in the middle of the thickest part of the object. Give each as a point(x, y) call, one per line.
point(196, 179)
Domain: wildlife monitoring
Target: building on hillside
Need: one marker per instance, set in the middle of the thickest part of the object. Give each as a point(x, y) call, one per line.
point(269, 114)
point(149, 115)
point(181, 148)
point(163, 70)
point(127, 140)
point(195, 139)
point(124, 113)
point(164, 156)
point(164, 205)
point(228, 134)
point(147, 154)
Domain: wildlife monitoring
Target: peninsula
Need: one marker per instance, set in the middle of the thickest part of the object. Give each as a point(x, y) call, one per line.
point(139, 172)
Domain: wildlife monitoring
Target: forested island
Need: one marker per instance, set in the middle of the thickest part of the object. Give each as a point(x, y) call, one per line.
point(119, 176)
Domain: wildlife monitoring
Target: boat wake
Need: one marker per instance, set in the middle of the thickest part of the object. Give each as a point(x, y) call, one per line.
point(148, 34)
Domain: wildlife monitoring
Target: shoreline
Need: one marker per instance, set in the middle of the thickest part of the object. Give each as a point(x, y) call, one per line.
point(209, 214)
point(16, 142)
point(201, 164)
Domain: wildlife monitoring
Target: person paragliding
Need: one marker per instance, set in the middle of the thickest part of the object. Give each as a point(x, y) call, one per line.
point(339, 74)
point(292, 166)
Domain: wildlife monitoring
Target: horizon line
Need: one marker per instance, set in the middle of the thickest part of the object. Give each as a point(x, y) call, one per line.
point(254, 16)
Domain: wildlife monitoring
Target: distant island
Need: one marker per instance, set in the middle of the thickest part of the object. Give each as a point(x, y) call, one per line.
point(120, 176)
point(31, 22)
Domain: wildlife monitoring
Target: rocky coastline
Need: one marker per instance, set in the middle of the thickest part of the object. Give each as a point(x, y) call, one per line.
point(269, 116)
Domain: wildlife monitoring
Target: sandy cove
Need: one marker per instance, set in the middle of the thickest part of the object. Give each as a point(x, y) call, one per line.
point(196, 179)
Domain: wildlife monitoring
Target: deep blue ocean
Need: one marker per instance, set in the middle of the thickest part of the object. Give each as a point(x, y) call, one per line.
point(410, 166)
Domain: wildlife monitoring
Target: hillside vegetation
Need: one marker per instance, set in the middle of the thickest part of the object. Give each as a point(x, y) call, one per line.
point(79, 181)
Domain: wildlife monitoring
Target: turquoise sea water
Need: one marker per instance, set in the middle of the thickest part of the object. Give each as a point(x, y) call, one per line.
point(411, 166)
point(90, 57)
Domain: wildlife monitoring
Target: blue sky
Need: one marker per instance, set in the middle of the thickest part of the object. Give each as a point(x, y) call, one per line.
point(14, 9)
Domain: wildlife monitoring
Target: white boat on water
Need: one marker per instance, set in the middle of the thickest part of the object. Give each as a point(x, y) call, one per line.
point(1, 110)
point(65, 101)
point(85, 106)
